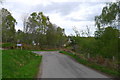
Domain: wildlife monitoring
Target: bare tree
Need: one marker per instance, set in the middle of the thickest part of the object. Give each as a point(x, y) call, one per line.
point(76, 31)
point(88, 31)
point(24, 19)
point(82, 33)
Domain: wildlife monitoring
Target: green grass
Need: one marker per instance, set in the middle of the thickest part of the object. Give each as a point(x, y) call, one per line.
point(8, 45)
point(20, 64)
point(0, 64)
point(104, 69)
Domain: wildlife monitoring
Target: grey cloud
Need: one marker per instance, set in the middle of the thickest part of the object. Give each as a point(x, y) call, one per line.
point(63, 8)
point(88, 18)
point(92, 10)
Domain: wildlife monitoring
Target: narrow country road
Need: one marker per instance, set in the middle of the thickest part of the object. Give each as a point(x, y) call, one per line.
point(57, 65)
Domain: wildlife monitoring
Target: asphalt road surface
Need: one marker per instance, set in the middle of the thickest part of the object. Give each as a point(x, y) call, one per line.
point(57, 65)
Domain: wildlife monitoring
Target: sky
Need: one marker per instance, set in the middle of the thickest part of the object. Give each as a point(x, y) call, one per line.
point(64, 13)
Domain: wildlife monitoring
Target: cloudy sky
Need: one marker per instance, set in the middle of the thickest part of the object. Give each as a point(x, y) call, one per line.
point(64, 13)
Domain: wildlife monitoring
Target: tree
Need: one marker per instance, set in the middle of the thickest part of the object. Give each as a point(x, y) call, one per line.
point(43, 32)
point(107, 33)
point(51, 36)
point(36, 25)
point(0, 26)
point(20, 36)
point(88, 31)
point(61, 37)
point(109, 42)
point(76, 31)
point(8, 26)
point(37, 22)
point(24, 20)
point(110, 15)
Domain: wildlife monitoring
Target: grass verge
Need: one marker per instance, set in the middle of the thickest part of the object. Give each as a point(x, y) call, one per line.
point(20, 64)
point(44, 50)
point(112, 72)
point(0, 64)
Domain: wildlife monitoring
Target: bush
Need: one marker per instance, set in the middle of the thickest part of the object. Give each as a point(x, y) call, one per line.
point(8, 45)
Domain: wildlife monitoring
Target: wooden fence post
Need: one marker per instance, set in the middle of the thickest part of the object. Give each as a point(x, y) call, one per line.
point(88, 55)
point(113, 58)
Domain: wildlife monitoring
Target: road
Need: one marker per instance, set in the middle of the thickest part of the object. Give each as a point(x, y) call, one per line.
point(57, 65)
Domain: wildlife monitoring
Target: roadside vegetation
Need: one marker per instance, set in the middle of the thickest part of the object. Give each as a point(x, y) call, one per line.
point(0, 64)
point(110, 71)
point(20, 64)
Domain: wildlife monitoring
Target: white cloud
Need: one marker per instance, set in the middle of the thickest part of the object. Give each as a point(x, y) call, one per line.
point(64, 13)
point(83, 15)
